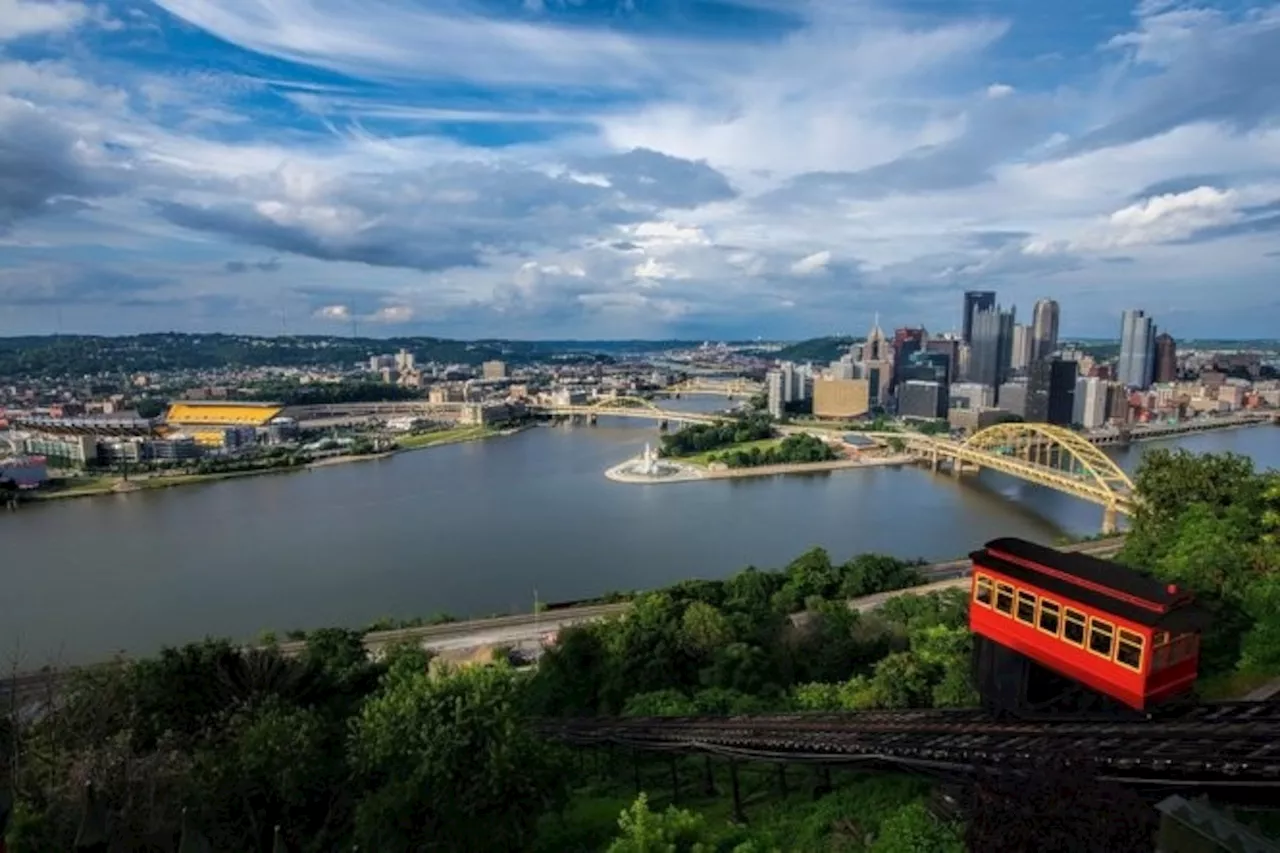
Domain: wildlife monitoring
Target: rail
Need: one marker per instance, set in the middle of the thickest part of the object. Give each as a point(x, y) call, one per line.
point(1213, 746)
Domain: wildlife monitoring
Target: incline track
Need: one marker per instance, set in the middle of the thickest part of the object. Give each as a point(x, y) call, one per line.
point(1235, 744)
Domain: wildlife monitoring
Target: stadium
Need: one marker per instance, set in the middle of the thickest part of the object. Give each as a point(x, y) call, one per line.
point(219, 424)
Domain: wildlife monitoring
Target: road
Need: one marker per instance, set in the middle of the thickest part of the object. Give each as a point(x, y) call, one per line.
point(526, 629)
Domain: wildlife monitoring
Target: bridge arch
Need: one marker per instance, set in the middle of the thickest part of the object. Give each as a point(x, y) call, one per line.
point(623, 402)
point(1035, 443)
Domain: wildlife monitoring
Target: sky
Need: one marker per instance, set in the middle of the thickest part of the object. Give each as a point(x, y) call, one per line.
point(702, 169)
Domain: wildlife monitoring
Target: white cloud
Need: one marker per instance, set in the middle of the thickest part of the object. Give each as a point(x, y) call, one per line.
point(812, 263)
point(19, 18)
point(999, 90)
point(334, 312)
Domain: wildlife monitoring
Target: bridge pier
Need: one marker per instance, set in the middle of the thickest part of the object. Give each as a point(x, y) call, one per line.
point(1110, 520)
point(591, 419)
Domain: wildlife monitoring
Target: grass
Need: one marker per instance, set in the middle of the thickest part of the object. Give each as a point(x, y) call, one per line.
point(79, 486)
point(444, 436)
point(705, 458)
point(1234, 684)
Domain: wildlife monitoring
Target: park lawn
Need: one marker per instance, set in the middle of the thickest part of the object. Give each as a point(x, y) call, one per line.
point(444, 436)
point(705, 458)
point(79, 486)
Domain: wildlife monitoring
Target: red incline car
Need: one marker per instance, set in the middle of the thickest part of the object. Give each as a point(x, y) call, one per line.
point(1096, 622)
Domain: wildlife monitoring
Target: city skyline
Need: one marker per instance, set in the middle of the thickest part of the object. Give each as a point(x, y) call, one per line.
point(553, 169)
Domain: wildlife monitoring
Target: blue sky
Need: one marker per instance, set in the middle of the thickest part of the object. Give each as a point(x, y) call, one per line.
point(635, 168)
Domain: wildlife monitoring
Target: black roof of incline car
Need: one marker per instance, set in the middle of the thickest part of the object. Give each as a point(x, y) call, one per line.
point(1182, 614)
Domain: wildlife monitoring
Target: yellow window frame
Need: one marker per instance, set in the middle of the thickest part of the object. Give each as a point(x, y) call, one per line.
point(1004, 589)
point(1102, 626)
point(1056, 608)
point(1126, 638)
point(1029, 599)
point(1075, 617)
point(981, 583)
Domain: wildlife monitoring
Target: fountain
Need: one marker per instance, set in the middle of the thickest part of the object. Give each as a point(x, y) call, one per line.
point(648, 467)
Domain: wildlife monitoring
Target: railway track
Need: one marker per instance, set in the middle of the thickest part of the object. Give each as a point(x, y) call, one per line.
point(1222, 745)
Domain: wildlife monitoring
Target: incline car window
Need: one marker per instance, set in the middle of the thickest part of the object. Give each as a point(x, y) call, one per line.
point(1049, 613)
point(1100, 637)
point(1129, 649)
point(982, 591)
point(1004, 598)
point(1073, 627)
point(1026, 607)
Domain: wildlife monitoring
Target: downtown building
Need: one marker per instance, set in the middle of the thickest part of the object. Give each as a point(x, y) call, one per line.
point(974, 301)
point(1044, 329)
point(1136, 366)
point(1051, 388)
point(991, 349)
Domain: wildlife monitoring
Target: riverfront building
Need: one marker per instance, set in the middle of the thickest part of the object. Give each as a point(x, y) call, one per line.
point(841, 398)
point(922, 399)
point(1137, 364)
point(220, 424)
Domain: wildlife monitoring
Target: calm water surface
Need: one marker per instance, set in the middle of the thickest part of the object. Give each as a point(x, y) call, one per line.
point(470, 529)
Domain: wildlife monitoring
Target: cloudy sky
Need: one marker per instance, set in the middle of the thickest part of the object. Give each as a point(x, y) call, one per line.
point(637, 168)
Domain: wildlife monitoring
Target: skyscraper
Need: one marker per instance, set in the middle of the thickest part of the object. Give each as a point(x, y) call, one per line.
point(975, 301)
point(1136, 365)
point(906, 343)
point(1166, 358)
point(877, 364)
point(992, 346)
point(1051, 390)
point(1044, 329)
point(1021, 349)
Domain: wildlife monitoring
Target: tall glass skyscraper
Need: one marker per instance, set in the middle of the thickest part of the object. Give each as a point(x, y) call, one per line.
point(974, 301)
point(1044, 329)
point(1137, 365)
point(992, 347)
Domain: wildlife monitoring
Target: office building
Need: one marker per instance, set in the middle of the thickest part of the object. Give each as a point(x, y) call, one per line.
point(971, 395)
point(876, 364)
point(1166, 358)
point(494, 370)
point(405, 361)
point(975, 301)
point(927, 367)
point(1119, 409)
point(1021, 348)
point(950, 347)
point(1136, 366)
point(1013, 397)
point(777, 404)
point(1051, 391)
point(795, 382)
point(843, 369)
point(992, 346)
point(906, 343)
point(841, 398)
point(1091, 402)
point(922, 399)
point(1044, 329)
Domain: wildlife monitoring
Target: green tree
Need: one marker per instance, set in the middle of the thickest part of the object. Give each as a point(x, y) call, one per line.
point(913, 829)
point(674, 831)
point(704, 629)
point(448, 763)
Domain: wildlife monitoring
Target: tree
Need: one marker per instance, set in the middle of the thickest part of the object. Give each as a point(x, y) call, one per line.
point(448, 763)
point(704, 629)
point(672, 831)
point(571, 674)
point(913, 829)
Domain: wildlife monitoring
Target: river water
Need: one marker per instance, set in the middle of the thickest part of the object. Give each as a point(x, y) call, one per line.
point(471, 529)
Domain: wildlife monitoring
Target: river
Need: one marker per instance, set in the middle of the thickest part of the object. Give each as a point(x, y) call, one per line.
point(471, 529)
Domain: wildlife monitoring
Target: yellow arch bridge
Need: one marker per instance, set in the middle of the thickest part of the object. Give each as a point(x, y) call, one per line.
point(630, 407)
point(1038, 453)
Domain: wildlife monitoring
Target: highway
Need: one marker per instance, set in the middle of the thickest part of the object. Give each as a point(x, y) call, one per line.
point(528, 629)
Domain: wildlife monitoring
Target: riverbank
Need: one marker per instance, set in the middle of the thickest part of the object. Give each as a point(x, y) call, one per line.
point(809, 467)
point(93, 486)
